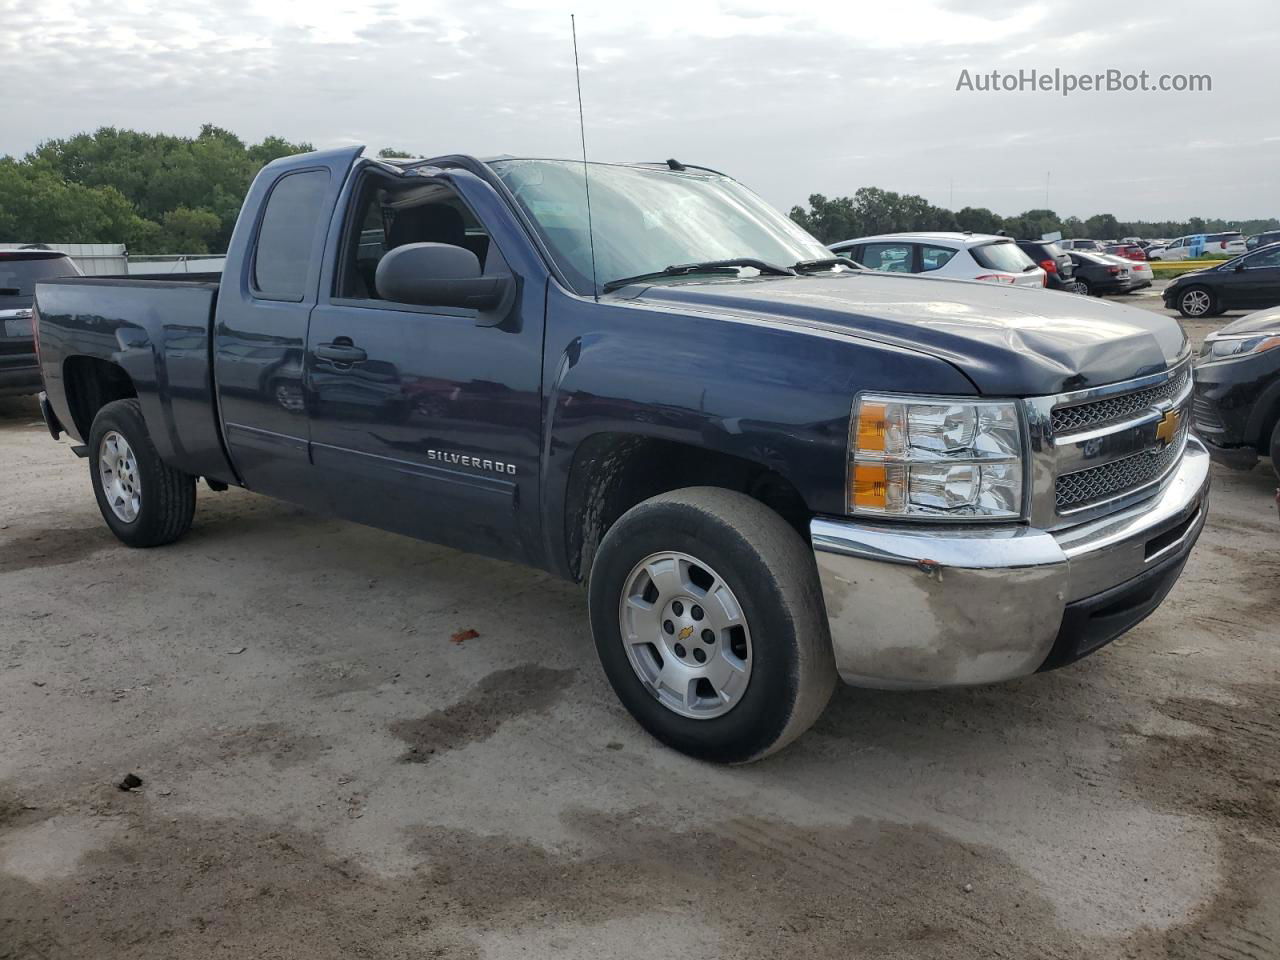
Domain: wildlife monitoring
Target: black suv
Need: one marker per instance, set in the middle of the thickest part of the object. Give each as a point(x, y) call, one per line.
point(1059, 271)
point(19, 271)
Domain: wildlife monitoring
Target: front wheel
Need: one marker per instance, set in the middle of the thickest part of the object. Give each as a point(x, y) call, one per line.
point(1083, 288)
point(1196, 302)
point(709, 623)
point(144, 501)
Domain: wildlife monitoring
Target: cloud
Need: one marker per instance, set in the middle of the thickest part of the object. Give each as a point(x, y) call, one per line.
point(792, 100)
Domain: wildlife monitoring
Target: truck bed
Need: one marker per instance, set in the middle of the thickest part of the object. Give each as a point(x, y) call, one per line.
point(158, 330)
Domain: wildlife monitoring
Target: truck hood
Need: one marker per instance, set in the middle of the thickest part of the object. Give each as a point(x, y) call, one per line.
point(1010, 341)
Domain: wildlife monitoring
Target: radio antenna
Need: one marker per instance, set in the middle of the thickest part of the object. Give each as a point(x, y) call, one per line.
point(586, 179)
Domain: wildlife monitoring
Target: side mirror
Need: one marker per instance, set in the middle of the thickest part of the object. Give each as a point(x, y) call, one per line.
point(1239, 267)
point(437, 275)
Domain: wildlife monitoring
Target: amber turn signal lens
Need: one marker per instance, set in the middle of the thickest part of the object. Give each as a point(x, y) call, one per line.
point(870, 485)
point(873, 424)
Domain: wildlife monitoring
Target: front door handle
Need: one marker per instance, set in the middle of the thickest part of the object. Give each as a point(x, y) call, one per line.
point(341, 350)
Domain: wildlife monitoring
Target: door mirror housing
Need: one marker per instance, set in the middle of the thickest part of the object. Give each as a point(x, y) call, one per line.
point(438, 275)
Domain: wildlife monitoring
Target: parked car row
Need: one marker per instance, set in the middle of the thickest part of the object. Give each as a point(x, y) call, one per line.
point(1079, 268)
point(1227, 244)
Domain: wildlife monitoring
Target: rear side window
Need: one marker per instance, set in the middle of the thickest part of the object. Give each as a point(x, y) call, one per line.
point(1002, 256)
point(934, 258)
point(287, 235)
point(891, 257)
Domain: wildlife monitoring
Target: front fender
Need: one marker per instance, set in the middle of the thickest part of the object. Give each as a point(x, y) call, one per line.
point(774, 395)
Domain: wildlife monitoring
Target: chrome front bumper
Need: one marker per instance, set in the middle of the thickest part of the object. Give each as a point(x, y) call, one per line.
point(934, 606)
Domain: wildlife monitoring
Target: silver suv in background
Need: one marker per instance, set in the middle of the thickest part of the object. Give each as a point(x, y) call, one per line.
point(955, 256)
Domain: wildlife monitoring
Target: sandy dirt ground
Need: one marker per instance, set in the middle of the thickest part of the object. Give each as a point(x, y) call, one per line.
point(326, 774)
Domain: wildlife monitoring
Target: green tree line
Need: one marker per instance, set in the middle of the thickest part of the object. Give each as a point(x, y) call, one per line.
point(160, 193)
point(154, 192)
point(872, 211)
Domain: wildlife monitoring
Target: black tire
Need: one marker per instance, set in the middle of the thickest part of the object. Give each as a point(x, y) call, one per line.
point(167, 499)
point(1274, 449)
point(771, 570)
point(1185, 295)
point(1083, 288)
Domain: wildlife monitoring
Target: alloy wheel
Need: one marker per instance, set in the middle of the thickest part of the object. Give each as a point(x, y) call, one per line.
point(118, 470)
point(686, 635)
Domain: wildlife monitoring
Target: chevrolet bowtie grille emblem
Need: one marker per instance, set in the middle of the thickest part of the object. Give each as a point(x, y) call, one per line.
point(1168, 428)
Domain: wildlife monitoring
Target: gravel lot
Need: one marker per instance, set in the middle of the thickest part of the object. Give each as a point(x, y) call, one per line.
point(327, 774)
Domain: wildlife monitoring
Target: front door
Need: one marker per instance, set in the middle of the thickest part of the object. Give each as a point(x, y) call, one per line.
point(1258, 284)
point(426, 421)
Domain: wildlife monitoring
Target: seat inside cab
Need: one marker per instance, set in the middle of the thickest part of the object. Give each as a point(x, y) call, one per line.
point(392, 215)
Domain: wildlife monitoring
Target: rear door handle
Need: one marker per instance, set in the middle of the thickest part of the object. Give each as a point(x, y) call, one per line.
point(340, 350)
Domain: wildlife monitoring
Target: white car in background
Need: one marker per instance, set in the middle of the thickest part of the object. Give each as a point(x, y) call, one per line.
point(957, 256)
point(1228, 244)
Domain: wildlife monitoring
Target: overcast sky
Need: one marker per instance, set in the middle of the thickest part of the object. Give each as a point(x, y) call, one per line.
point(790, 100)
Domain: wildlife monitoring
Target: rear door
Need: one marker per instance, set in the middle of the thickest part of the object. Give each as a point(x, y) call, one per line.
point(261, 328)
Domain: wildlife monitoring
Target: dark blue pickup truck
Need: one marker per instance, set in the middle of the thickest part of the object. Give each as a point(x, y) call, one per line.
point(771, 467)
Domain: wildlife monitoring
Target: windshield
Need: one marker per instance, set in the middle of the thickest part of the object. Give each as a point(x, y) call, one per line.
point(18, 276)
point(647, 219)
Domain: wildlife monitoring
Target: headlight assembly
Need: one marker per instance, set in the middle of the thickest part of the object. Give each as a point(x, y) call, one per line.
point(1237, 345)
point(929, 457)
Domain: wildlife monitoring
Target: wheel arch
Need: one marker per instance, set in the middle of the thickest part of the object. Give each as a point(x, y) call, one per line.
point(613, 471)
point(91, 383)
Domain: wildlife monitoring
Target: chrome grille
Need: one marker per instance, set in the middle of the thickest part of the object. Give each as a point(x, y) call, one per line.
point(1085, 416)
point(1097, 484)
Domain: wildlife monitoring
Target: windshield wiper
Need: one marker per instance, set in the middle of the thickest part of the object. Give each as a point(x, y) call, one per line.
point(825, 263)
point(706, 266)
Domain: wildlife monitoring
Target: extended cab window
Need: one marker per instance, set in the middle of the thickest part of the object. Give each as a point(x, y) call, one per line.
point(392, 215)
point(287, 235)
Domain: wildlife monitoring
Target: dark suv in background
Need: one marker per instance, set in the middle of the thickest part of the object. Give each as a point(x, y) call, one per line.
point(1059, 271)
point(1262, 239)
point(1237, 391)
point(19, 271)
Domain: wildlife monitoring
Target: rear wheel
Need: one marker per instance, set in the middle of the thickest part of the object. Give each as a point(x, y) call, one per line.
point(1196, 302)
point(144, 501)
point(708, 620)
